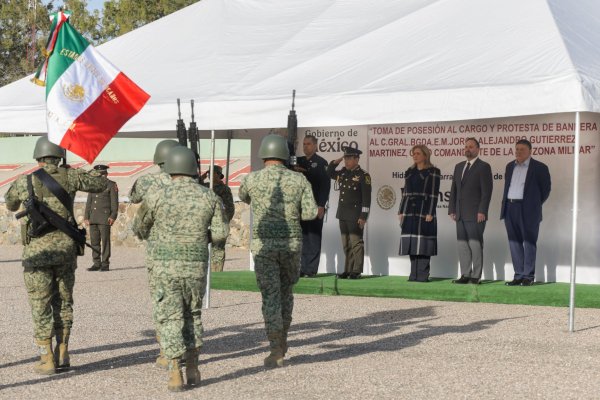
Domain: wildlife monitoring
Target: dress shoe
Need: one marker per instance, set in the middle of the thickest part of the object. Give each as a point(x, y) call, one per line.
point(514, 282)
point(343, 276)
point(462, 280)
point(475, 281)
point(526, 282)
point(94, 268)
point(354, 276)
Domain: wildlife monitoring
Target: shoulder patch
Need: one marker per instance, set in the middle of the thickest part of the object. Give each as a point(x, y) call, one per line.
point(367, 179)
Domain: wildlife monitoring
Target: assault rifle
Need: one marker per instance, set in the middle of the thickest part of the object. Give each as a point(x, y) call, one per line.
point(193, 135)
point(292, 131)
point(181, 132)
point(42, 219)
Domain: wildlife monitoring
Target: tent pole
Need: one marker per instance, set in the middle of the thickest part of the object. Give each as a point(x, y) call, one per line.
point(574, 225)
point(210, 168)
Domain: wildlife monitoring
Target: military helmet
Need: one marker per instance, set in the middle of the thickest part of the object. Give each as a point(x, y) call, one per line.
point(274, 146)
point(181, 161)
point(45, 148)
point(162, 149)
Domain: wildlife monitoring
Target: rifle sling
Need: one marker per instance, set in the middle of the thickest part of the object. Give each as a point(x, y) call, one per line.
point(70, 229)
point(55, 188)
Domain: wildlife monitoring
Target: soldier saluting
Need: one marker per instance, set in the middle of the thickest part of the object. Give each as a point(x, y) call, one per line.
point(50, 254)
point(354, 205)
point(101, 211)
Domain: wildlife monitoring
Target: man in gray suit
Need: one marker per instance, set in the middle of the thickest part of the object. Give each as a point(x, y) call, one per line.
point(469, 202)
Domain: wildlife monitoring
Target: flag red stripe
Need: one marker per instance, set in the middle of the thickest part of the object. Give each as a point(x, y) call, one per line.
point(92, 130)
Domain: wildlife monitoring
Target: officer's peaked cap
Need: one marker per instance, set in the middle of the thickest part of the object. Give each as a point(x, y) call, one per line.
point(351, 151)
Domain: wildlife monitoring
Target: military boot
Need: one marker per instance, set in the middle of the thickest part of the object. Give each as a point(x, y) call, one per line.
point(61, 351)
point(46, 364)
point(175, 378)
point(192, 373)
point(275, 359)
point(284, 337)
point(161, 361)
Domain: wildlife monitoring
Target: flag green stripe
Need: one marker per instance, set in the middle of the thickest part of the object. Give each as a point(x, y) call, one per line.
point(69, 45)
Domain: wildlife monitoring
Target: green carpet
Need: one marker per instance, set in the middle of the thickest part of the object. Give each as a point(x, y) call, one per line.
point(540, 294)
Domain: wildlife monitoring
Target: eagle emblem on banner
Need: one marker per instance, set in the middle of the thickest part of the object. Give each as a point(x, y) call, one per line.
point(386, 197)
point(74, 92)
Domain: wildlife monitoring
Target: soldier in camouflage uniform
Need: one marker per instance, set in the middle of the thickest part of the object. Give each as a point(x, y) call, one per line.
point(50, 260)
point(174, 219)
point(279, 198)
point(140, 189)
point(217, 257)
point(141, 185)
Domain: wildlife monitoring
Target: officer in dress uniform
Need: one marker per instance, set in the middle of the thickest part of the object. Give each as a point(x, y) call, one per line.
point(101, 211)
point(354, 204)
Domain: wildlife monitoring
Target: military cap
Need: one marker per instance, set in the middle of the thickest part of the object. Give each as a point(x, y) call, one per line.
point(351, 151)
point(101, 167)
point(218, 171)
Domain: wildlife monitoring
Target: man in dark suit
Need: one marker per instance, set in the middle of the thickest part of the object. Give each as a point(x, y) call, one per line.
point(526, 187)
point(101, 211)
point(314, 168)
point(354, 205)
point(470, 197)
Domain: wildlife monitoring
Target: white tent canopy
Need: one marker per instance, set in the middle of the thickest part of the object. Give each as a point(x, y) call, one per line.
point(352, 62)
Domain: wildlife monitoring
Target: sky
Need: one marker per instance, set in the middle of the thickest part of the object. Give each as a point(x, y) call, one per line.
point(91, 4)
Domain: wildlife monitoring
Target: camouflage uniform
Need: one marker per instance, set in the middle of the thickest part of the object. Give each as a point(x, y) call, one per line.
point(218, 248)
point(143, 184)
point(138, 192)
point(50, 260)
point(280, 198)
point(174, 219)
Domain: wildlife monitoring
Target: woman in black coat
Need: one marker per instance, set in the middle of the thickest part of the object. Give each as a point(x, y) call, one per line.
point(417, 213)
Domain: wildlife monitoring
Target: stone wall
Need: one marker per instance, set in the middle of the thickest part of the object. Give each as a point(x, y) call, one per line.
point(121, 234)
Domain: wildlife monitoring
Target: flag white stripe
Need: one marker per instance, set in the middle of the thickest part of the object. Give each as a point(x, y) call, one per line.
point(92, 73)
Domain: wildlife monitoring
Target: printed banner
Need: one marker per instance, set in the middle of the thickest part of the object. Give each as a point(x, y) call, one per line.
point(386, 155)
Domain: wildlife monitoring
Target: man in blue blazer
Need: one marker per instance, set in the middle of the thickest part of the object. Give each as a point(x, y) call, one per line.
point(526, 187)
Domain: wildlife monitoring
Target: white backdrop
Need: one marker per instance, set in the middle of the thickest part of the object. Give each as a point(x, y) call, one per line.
point(386, 156)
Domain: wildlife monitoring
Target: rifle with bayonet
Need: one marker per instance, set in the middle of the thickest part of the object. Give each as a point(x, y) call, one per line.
point(181, 132)
point(193, 135)
point(292, 132)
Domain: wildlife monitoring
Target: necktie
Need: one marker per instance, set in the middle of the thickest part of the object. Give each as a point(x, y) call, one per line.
point(466, 171)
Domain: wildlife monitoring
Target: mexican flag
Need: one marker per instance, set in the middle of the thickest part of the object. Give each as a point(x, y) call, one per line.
point(87, 98)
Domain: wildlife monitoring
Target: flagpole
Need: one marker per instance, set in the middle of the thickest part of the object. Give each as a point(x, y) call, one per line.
point(574, 226)
point(210, 168)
